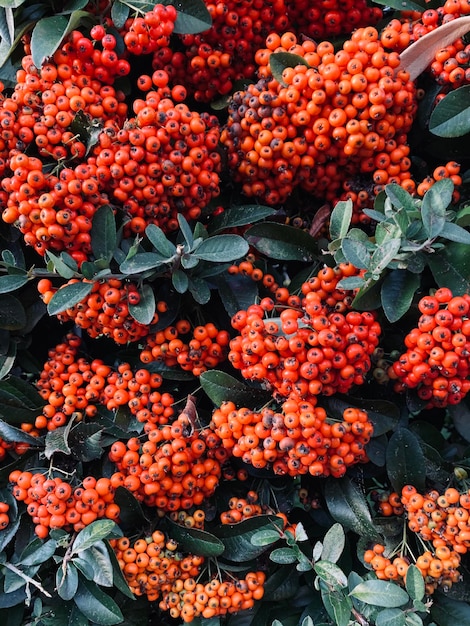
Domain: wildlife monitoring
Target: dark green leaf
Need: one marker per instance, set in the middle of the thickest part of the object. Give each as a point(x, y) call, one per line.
point(100, 529)
point(220, 386)
point(403, 5)
point(239, 216)
point(12, 313)
point(98, 557)
point(186, 232)
point(180, 281)
point(196, 541)
point(454, 232)
point(451, 267)
point(131, 515)
point(159, 241)
point(37, 552)
point(391, 617)
point(405, 460)
point(19, 393)
point(119, 13)
point(282, 584)
point(237, 537)
point(8, 359)
point(451, 115)
point(96, 605)
point(68, 296)
point(200, 290)
point(348, 506)
point(57, 441)
point(10, 433)
point(434, 206)
point(331, 574)
point(282, 242)
point(351, 282)
point(193, 17)
point(279, 61)
point(60, 265)
point(356, 252)
point(449, 612)
point(67, 581)
point(12, 281)
point(340, 219)
point(85, 441)
point(380, 593)
point(460, 414)
point(222, 248)
point(237, 293)
point(414, 583)
point(338, 606)
point(169, 372)
point(118, 577)
point(397, 292)
point(103, 233)
point(141, 262)
point(145, 310)
point(46, 37)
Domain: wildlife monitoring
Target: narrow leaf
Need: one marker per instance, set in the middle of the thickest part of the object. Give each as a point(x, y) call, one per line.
point(103, 233)
point(340, 219)
point(12, 282)
point(434, 206)
point(348, 506)
point(68, 296)
point(282, 242)
point(142, 262)
point(454, 232)
point(158, 239)
point(239, 216)
point(221, 248)
point(414, 583)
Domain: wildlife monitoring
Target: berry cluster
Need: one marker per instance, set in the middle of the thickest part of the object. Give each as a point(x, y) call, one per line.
point(388, 503)
point(192, 599)
point(4, 517)
point(342, 114)
point(153, 565)
point(241, 508)
point(173, 467)
point(161, 162)
point(210, 62)
point(105, 311)
point(194, 519)
point(316, 345)
point(437, 360)
point(298, 440)
point(192, 349)
point(71, 385)
point(54, 503)
point(148, 33)
point(330, 18)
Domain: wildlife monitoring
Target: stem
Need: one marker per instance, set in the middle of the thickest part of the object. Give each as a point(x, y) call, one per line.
point(27, 579)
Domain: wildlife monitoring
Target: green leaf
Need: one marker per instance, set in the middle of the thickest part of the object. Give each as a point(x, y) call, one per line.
point(18, 393)
point(96, 605)
point(414, 583)
point(397, 292)
point(279, 61)
point(222, 248)
point(67, 581)
point(159, 241)
point(331, 574)
point(356, 252)
point(92, 533)
point(454, 232)
point(56, 441)
point(63, 268)
point(405, 461)
point(68, 296)
point(12, 313)
point(192, 17)
point(11, 4)
point(434, 205)
point(97, 556)
point(450, 267)
point(186, 232)
point(46, 37)
point(220, 386)
point(333, 544)
point(391, 617)
point(144, 311)
point(380, 593)
point(451, 115)
point(12, 281)
point(142, 262)
point(399, 197)
point(131, 515)
point(449, 612)
point(103, 233)
point(180, 281)
point(348, 506)
point(340, 219)
point(236, 293)
point(239, 216)
point(237, 537)
point(383, 255)
point(196, 541)
point(8, 359)
point(338, 606)
point(119, 13)
point(119, 580)
point(282, 242)
point(265, 537)
point(351, 282)
point(403, 5)
point(283, 556)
